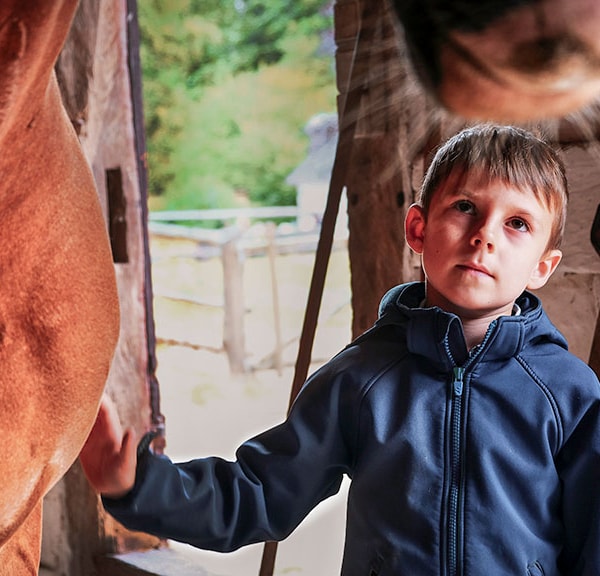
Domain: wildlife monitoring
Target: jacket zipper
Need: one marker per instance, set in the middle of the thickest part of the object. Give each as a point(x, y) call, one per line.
point(454, 537)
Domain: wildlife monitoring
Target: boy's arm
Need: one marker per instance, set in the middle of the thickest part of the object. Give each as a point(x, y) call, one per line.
point(276, 479)
point(109, 456)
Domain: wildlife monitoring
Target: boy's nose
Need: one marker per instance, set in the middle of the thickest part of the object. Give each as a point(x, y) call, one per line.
point(483, 236)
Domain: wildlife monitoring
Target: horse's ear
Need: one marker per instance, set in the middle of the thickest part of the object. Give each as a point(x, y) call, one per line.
point(414, 228)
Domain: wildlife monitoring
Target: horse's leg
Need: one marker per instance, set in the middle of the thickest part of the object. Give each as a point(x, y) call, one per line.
point(20, 556)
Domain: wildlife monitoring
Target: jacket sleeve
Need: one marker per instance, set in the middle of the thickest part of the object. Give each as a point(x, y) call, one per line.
point(578, 464)
point(276, 479)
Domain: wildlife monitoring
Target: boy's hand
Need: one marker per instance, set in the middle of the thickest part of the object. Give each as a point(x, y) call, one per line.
point(109, 457)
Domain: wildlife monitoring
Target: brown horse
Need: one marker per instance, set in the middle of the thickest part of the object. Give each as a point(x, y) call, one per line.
point(59, 318)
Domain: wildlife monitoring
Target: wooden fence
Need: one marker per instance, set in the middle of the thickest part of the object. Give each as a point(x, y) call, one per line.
point(233, 244)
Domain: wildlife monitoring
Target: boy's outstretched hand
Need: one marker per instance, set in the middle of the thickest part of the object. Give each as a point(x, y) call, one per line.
point(109, 456)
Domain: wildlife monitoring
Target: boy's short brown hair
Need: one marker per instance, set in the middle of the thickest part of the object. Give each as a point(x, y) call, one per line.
point(512, 155)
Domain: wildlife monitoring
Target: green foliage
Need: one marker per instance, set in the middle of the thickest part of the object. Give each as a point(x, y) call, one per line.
point(256, 35)
point(228, 87)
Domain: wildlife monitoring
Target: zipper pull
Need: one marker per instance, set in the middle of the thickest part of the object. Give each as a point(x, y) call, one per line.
point(458, 380)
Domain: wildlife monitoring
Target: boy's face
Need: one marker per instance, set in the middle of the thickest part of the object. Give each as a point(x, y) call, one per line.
point(481, 244)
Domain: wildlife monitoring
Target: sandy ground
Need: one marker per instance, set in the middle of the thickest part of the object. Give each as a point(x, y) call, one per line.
point(209, 412)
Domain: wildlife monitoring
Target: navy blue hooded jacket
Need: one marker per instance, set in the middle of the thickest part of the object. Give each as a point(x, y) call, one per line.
point(481, 463)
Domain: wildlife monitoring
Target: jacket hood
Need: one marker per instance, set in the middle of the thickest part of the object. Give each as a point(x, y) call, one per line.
point(439, 336)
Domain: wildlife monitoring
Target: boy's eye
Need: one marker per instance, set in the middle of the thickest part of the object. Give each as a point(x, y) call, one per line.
point(465, 206)
point(518, 224)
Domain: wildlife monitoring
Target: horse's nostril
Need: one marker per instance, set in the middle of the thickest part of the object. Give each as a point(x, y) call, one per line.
point(546, 54)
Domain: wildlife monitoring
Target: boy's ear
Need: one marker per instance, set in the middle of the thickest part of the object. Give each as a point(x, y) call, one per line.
point(544, 269)
point(414, 228)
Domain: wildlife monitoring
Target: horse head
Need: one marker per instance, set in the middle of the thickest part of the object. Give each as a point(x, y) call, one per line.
point(505, 60)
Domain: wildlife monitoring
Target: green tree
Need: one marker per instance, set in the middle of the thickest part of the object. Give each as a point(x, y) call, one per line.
point(246, 134)
point(256, 37)
point(228, 88)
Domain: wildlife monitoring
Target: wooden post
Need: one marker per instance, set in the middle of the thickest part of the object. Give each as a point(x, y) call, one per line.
point(272, 254)
point(376, 198)
point(233, 322)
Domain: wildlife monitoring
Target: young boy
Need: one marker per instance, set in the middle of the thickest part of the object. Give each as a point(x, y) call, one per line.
point(470, 433)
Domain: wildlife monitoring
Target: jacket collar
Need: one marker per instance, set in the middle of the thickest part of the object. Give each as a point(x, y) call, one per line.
point(438, 335)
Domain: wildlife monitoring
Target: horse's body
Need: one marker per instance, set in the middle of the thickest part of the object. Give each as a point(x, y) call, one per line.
point(506, 60)
point(58, 304)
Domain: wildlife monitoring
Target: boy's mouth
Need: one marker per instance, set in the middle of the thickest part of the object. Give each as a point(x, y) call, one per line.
point(477, 268)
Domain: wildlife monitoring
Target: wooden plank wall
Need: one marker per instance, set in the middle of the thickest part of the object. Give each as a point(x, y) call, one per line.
point(96, 87)
point(397, 130)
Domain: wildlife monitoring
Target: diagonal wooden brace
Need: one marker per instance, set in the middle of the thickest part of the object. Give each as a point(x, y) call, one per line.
point(348, 118)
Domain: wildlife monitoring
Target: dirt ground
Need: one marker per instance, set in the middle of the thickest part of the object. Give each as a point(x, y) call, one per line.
point(209, 412)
